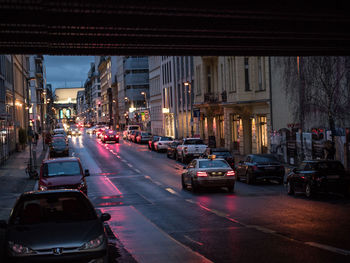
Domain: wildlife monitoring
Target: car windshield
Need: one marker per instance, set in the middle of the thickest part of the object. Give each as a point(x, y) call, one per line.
point(194, 141)
point(166, 139)
point(52, 209)
point(222, 154)
point(264, 159)
point(61, 168)
point(213, 164)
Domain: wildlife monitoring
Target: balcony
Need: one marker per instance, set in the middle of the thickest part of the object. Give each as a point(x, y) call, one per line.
point(211, 97)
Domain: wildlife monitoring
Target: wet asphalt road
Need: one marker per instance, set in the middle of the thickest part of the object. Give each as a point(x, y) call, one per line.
point(156, 221)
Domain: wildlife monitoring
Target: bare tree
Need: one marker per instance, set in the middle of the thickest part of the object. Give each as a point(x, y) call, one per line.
point(320, 86)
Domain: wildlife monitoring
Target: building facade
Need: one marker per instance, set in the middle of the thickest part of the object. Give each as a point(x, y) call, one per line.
point(155, 98)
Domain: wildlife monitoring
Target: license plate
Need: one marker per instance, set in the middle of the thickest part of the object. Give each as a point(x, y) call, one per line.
point(333, 177)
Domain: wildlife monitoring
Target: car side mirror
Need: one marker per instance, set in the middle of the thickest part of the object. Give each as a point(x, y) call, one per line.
point(105, 217)
point(87, 173)
point(3, 224)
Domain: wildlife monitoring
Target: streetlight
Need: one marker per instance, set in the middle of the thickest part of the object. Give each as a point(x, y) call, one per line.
point(188, 83)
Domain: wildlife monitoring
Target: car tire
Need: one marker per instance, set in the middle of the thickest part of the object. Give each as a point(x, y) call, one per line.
point(290, 188)
point(194, 187)
point(231, 188)
point(308, 191)
point(183, 184)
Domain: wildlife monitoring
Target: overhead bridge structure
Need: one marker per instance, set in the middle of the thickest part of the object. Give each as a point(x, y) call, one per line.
point(176, 27)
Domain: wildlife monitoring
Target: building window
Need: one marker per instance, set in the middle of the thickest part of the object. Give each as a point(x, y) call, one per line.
point(222, 78)
point(246, 74)
point(186, 67)
point(169, 71)
point(208, 79)
point(171, 96)
point(261, 70)
point(198, 76)
point(232, 74)
point(263, 133)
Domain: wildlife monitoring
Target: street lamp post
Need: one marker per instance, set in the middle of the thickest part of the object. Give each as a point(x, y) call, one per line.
point(188, 83)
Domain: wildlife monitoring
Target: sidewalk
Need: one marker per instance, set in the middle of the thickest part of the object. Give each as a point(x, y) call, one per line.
point(13, 179)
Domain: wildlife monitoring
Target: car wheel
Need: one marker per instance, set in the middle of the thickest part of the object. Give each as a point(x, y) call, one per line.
point(184, 186)
point(290, 188)
point(194, 187)
point(308, 191)
point(250, 179)
point(231, 188)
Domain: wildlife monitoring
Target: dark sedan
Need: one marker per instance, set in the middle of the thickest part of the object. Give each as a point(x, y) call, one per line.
point(151, 142)
point(52, 226)
point(110, 136)
point(318, 176)
point(222, 153)
point(59, 148)
point(260, 167)
point(171, 151)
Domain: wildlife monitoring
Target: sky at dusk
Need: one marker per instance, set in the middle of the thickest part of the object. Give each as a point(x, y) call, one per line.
point(67, 71)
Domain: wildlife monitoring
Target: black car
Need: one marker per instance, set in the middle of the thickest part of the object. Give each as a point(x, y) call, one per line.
point(318, 176)
point(59, 148)
point(55, 225)
point(260, 167)
point(109, 136)
point(152, 141)
point(222, 153)
point(171, 151)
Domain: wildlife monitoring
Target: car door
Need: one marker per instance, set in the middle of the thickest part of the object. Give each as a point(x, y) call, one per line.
point(243, 166)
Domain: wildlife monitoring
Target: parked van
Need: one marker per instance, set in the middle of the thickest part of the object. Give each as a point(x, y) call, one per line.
point(130, 128)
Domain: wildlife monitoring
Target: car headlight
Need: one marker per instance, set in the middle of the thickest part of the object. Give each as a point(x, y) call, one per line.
point(93, 243)
point(42, 188)
point(81, 185)
point(20, 249)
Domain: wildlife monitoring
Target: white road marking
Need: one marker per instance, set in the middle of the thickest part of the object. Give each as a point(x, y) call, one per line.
point(148, 177)
point(171, 191)
point(130, 165)
point(124, 161)
point(193, 241)
point(158, 183)
point(137, 170)
point(329, 248)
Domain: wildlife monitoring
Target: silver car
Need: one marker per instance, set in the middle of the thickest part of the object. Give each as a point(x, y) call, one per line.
point(55, 224)
point(209, 172)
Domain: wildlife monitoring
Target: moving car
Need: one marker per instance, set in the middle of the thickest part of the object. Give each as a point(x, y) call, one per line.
point(221, 153)
point(59, 148)
point(152, 141)
point(62, 173)
point(143, 137)
point(162, 143)
point(60, 136)
point(171, 151)
point(131, 135)
point(318, 176)
point(260, 167)
point(55, 225)
point(109, 136)
point(76, 132)
point(99, 132)
point(90, 130)
point(190, 148)
point(130, 128)
point(209, 172)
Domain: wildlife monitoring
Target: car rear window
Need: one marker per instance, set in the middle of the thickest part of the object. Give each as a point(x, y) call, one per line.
point(52, 209)
point(213, 164)
point(265, 159)
point(166, 139)
point(61, 168)
point(194, 142)
point(222, 154)
point(59, 143)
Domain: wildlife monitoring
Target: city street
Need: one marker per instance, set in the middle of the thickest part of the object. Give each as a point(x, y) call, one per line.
point(156, 221)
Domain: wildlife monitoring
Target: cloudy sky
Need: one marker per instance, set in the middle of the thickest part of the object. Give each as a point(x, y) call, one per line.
point(67, 71)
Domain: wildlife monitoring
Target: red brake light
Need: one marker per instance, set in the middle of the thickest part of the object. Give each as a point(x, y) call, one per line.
point(110, 132)
point(116, 136)
point(202, 174)
point(230, 173)
point(106, 136)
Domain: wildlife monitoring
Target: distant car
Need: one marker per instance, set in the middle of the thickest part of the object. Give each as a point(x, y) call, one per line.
point(59, 131)
point(61, 136)
point(171, 150)
point(134, 135)
point(143, 137)
point(260, 167)
point(221, 153)
point(190, 148)
point(130, 128)
point(152, 141)
point(109, 136)
point(318, 176)
point(55, 225)
point(58, 148)
point(99, 132)
point(162, 143)
point(62, 173)
point(76, 132)
point(131, 135)
point(90, 130)
point(208, 173)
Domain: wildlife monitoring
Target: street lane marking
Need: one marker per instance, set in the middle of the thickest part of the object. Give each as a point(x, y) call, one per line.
point(329, 248)
point(108, 180)
point(124, 161)
point(171, 191)
point(193, 241)
point(148, 177)
point(261, 229)
point(130, 165)
point(137, 170)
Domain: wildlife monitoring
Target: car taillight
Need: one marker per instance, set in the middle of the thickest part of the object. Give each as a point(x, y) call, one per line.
point(106, 136)
point(230, 173)
point(202, 174)
point(117, 136)
point(110, 132)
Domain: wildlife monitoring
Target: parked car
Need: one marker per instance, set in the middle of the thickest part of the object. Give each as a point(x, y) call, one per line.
point(221, 153)
point(190, 148)
point(133, 135)
point(143, 137)
point(60, 136)
point(209, 172)
point(55, 225)
point(62, 173)
point(260, 167)
point(152, 141)
point(110, 136)
point(59, 148)
point(162, 143)
point(130, 128)
point(59, 131)
point(318, 176)
point(171, 150)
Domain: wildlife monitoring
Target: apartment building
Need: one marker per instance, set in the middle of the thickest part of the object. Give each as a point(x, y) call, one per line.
point(155, 99)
